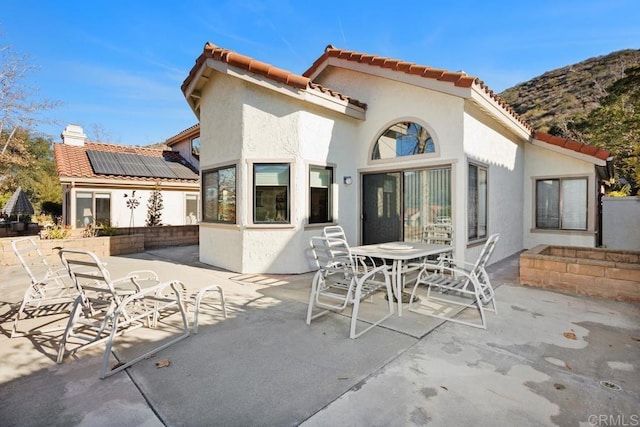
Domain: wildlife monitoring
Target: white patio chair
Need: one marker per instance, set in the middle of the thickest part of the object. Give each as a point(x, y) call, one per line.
point(456, 284)
point(440, 233)
point(337, 232)
point(51, 291)
point(106, 308)
point(340, 282)
point(198, 299)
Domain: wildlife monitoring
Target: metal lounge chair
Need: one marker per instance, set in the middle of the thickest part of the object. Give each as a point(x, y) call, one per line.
point(200, 298)
point(106, 308)
point(51, 291)
point(340, 282)
point(456, 284)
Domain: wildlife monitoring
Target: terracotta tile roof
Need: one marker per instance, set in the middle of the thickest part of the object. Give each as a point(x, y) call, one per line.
point(72, 161)
point(262, 68)
point(571, 144)
point(457, 78)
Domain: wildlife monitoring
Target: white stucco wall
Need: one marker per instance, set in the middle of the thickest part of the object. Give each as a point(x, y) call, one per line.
point(490, 145)
point(246, 124)
point(546, 163)
point(173, 212)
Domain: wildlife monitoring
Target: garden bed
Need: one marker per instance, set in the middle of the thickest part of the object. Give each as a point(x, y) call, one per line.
point(605, 273)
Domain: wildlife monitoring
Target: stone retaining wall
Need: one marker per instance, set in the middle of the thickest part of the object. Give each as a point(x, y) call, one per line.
point(586, 271)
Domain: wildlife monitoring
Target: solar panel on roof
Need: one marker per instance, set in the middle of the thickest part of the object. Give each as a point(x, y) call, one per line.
point(132, 165)
point(104, 163)
point(128, 164)
point(158, 166)
point(182, 171)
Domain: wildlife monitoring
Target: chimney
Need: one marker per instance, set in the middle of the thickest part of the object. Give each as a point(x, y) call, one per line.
point(73, 135)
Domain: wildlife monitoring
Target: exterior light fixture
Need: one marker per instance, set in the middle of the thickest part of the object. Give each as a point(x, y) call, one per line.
point(347, 180)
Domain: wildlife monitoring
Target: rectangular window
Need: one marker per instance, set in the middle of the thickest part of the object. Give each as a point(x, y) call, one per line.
point(219, 195)
point(271, 195)
point(477, 202)
point(191, 209)
point(320, 194)
point(103, 209)
point(93, 208)
point(561, 203)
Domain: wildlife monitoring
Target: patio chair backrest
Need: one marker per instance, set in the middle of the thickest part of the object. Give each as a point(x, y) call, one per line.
point(438, 233)
point(90, 276)
point(334, 231)
point(32, 260)
point(485, 254)
point(332, 254)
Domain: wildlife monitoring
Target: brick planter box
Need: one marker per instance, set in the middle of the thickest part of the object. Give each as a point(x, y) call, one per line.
point(605, 273)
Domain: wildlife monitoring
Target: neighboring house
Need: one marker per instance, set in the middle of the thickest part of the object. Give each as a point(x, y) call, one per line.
point(187, 143)
point(390, 147)
point(111, 184)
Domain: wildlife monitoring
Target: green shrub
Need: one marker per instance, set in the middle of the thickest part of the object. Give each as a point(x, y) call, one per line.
point(56, 232)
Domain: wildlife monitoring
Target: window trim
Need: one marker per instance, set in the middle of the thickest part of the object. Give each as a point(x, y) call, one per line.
point(203, 199)
point(478, 238)
point(535, 227)
point(414, 157)
point(291, 194)
point(332, 192)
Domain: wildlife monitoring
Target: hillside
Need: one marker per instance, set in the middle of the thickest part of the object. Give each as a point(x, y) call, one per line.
point(548, 100)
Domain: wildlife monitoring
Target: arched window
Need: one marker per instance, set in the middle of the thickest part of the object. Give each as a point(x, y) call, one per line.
point(403, 139)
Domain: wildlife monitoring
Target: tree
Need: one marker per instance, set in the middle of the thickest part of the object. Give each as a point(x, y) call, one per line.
point(18, 109)
point(154, 208)
point(38, 176)
point(615, 127)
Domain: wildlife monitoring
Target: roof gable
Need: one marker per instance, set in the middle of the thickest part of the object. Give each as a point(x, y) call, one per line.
point(455, 78)
point(249, 66)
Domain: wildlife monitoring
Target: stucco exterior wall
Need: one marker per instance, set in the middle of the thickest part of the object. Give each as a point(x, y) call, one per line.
point(268, 127)
point(490, 145)
point(173, 212)
point(388, 102)
point(545, 163)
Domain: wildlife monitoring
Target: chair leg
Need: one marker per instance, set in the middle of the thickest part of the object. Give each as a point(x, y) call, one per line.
point(198, 300)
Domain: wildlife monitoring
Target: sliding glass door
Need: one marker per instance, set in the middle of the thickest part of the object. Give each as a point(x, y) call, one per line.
point(396, 206)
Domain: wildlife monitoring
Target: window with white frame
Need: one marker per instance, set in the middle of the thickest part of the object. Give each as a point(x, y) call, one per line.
point(561, 203)
point(219, 195)
point(477, 202)
point(320, 194)
point(271, 194)
point(191, 209)
point(93, 208)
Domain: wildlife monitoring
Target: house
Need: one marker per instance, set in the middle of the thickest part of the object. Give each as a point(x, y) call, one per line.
point(111, 184)
point(382, 147)
point(187, 143)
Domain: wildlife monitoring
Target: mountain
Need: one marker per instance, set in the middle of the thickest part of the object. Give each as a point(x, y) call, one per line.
point(549, 100)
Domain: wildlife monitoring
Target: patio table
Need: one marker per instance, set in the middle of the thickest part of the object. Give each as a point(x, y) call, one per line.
point(398, 253)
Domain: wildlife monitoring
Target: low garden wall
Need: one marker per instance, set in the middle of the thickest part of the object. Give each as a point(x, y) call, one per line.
point(166, 235)
point(126, 241)
point(605, 273)
point(101, 246)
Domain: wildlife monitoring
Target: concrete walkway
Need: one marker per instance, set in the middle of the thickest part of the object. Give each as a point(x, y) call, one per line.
point(545, 359)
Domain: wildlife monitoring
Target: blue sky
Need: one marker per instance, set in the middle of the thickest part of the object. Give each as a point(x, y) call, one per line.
point(116, 66)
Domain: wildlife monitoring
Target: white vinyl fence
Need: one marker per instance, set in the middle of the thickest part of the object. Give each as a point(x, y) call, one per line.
point(621, 222)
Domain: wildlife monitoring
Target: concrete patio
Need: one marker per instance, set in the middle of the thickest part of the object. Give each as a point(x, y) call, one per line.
point(546, 359)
